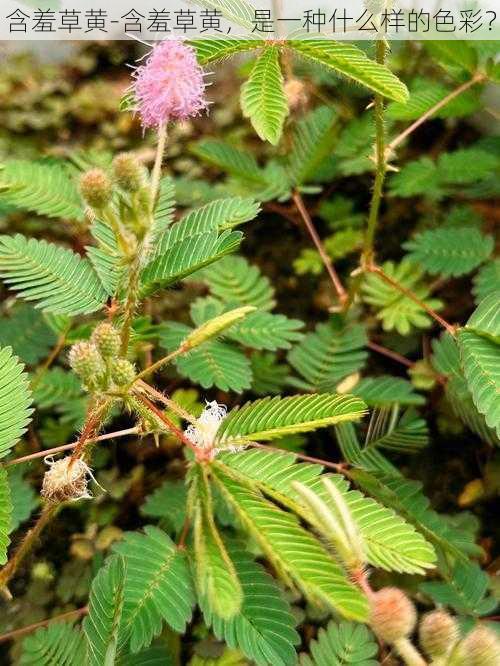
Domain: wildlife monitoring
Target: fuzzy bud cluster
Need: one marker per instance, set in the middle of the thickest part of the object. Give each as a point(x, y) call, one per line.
point(129, 172)
point(87, 362)
point(106, 339)
point(96, 188)
point(122, 371)
point(392, 614)
point(438, 633)
point(481, 647)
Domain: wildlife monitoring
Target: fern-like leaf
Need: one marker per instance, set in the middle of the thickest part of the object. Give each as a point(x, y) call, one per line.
point(263, 98)
point(5, 514)
point(158, 586)
point(27, 332)
point(23, 496)
point(59, 643)
point(343, 644)
point(214, 50)
point(450, 252)
point(313, 142)
point(347, 59)
point(386, 390)
point(485, 320)
point(270, 418)
point(15, 401)
point(58, 279)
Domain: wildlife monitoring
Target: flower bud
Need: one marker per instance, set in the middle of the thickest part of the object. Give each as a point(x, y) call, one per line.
point(96, 188)
point(107, 340)
point(66, 479)
point(122, 371)
point(85, 360)
point(438, 633)
point(392, 614)
point(479, 648)
point(295, 91)
point(129, 172)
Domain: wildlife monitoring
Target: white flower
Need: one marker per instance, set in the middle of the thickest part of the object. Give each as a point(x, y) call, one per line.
point(203, 433)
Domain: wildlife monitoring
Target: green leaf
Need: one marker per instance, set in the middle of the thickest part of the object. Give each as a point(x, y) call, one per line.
point(23, 496)
point(5, 514)
point(342, 644)
point(235, 11)
point(347, 59)
point(102, 624)
point(295, 554)
point(231, 160)
point(333, 351)
point(313, 142)
point(386, 390)
point(417, 177)
point(263, 98)
point(187, 256)
point(270, 418)
point(235, 281)
point(158, 586)
point(387, 431)
point(487, 280)
point(157, 655)
point(59, 644)
point(481, 364)
point(269, 376)
point(456, 53)
point(395, 309)
point(264, 627)
point(213, 50)
point(44, 187)
point(367, 458)
point(106, 258)
point(425, 94)
point(57, 278)
point(486, 317)
point(212, 363)
point(165, 206)
point(28, 333)
point(216, 578)
point(167, 502)
point(450, 252)
point(263, 330)
point(15, 401)
point(55, 387)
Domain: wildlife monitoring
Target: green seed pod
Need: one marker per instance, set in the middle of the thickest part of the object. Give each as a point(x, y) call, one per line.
point(438, 633)
point(129, 172)
point(479, 648)
point(122, 371)
point(392, 614)
point(107, 340)
point(85, 360)
point(96, 188)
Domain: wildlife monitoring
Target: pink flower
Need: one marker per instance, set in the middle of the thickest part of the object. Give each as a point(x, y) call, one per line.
point(169, 86)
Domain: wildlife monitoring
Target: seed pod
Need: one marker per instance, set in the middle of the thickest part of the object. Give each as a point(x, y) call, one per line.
point(122, 371)
point(479, 648)
point(66, 479)
point(438, 633)
point(107, 340)
point(86, 361)
point(129, 172)
point(392, 614)
point(96, 188)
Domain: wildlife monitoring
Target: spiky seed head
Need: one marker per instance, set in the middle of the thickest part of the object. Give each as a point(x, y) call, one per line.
point(129, 172)
point(86, 361)
point(96, 188)
point(66, 479)
point(296, 94)
point(122, 371)
point(392, 614)
point(107, 340)
point(438, 633)
point(481, 647)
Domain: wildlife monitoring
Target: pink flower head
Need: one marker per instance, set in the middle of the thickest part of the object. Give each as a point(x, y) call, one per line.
point(170, 85)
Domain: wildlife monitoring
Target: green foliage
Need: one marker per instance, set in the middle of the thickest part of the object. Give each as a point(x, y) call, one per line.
point(269, 376)
point(158, 586)
point(350, 61)
point(263, 98)
point(342, 644)
point(167, 502)
point(42, 187)
point(5, 514)
point(333, 351)
point(487, 280)
point(384, 391)
point(270, 418)
point(27, 333)
point(58, 279)
point(450, 252)
point(396, 310)
point(23, 496)
point(313, 142)
point(213, 50)
point(15, 401)
point(59, 643)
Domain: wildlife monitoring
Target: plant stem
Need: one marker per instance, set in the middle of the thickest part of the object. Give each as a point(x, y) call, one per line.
point(17, 633)
point(390, 354)
point(341, 292)
point(409, 653)
point(338, 467)
point(27, 544)
point(181, 544)
point(177, 432)
point(380, 168)
point(171, 404)
point(163, 361)
point(372, 268)
point(477, 78)
point(67, 447)
point(92, 424)
point(156, 174)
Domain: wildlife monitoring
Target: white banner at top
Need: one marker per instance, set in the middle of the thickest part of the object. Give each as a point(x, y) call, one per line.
point(152, 20)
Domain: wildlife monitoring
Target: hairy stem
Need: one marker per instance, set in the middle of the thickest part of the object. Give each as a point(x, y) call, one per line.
point(160, 363)
point(408, 652)
point(341, 292)
point(18, 633)
point(92, 424)
point(155, 177)
point(380, 163)
point(338, 467)
point(177, 432)
point(27, 544)
point(477, 78)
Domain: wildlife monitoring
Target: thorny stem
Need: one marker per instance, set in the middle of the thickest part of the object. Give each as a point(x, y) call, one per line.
point(17, 633)
point(477, 78)
point(341, 292)
point(177, 432)
point(372, 268)
point(67, 447)
point(171, 404)
point(380, 169)
point(26, 544)
point(92, 424)
point(155, 178)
